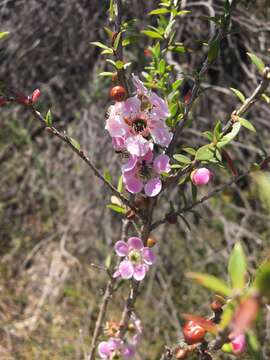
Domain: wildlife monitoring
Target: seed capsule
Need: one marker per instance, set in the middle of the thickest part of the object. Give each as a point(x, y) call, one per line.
point(118, 93)
point(193, 332)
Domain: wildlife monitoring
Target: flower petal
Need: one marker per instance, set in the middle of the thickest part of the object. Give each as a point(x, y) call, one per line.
point(135, 243)
point(133, 184)
point(128, 351)
point(126, 269)
point(104, 350)
point(153, 187)
point(160, 108)
point(160, 133)
point(201, 176)
point(141, 89)
point(130, 164)
point(116, 126)
point(138, 145)
point(139, 272)
point(148, 256)
point(121, 248)
point(161, 164)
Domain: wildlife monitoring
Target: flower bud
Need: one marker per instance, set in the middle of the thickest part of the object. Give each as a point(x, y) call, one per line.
point(151, 242)
point(193, 333)
point(239, 344)
point(35, 95)
point(118, 93)
point(201, 176)
point(140, 201)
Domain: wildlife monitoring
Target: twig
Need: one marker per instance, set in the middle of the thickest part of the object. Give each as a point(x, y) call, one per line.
point(254, 97)
point(84, 157)
point(105, 300)
point(200, 201)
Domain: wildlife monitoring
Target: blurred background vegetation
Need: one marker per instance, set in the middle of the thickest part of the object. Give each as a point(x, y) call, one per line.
point(53, 217)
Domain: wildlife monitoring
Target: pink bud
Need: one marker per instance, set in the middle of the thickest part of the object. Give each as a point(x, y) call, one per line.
point(35, 95)
point(201, 176)
point(239, 344)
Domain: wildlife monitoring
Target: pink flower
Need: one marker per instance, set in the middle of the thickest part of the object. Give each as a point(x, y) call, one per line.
point(201, 176)
point(115, 347)
point(143, 173)
point(239, 344)
point(137, 259)
point(140, 117)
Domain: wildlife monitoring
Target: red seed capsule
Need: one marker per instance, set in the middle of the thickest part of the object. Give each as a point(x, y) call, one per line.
point(193, 332)
point(118, 93)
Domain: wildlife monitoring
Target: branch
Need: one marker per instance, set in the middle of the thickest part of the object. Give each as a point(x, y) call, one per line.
point(105, 301)
point(84, 157)
point(218, 36)
point(200, 201)
point(254, 97)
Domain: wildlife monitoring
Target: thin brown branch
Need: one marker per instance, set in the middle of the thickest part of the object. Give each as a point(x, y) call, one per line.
point(105, 301)
point(250, 101)
point(201, 200)
point(84, 157)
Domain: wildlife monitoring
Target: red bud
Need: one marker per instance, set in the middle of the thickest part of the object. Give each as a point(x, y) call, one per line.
point(35, 95)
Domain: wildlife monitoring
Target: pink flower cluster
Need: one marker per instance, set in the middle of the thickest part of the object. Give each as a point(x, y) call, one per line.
point(116, 348)
point(135, 125)
point(137, 259)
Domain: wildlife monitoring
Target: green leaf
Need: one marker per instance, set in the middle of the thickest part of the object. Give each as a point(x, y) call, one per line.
point(204, 153)
point(3, 34)
point(100, 45)
point(190, 151)
point(217, 130)
point(120, 184)
point(106, 73)
point(227, 315)
point(183, 12)
point(262, 279)
point(108, 176)
point(239, 94)
point(247, 124)
point(49, 118)
point(152, 34)
point(256, 61)
point(230, 136)
point(254, 347)
point(159, 11)
point(161, 66)
point(117, 40)
point(182, 159)
point(116, 208)
point(237, 267)
point(211, 282)
point(75, 143)
point(266, 98)
point(213, 49)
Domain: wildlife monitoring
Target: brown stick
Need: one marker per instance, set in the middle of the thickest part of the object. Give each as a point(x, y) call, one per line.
point(105, 301)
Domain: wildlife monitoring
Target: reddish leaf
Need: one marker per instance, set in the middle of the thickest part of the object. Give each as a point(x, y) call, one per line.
point(245, 315)
point(229, 162)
